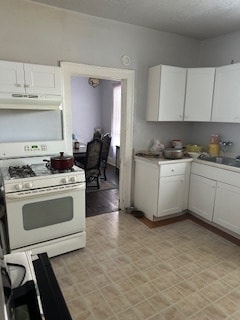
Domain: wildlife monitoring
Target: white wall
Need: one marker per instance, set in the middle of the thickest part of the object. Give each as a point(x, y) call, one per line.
point(221, 50)
point(86, 108)
point(227, 131)
point(91, 107)
point(33, 33)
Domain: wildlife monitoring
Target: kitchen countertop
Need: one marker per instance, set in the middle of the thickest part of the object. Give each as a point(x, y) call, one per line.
point(160, 160)
point(218, 165)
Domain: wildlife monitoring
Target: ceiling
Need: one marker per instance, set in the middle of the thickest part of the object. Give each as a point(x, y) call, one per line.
point(199, 19)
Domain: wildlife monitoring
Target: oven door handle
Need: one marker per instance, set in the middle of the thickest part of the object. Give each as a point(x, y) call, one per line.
point(45, 191)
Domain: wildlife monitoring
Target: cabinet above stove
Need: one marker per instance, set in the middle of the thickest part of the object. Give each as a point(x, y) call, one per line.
point(29, 86)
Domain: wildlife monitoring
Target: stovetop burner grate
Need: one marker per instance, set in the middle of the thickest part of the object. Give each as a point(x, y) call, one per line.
point(21, 171)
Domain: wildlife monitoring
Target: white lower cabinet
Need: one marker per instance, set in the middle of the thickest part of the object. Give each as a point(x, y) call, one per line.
point(226, 209)
point(160, 189)
point(146, 186)
point(213, 195)
point(201, 196)
point(170, 198)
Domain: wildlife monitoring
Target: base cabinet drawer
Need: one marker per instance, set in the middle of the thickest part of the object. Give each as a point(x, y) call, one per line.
point(174, 169)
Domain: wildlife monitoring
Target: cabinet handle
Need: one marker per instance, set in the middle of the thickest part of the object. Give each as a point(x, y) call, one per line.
point(17, 85)
point(26, 86)
point(173, 170)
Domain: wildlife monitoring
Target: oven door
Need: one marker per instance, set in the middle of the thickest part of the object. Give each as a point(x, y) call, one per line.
point(45, 214)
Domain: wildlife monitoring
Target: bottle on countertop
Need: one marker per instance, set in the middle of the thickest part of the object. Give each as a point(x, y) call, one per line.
point(75, 142)
point(213, 147)
point(76, 145)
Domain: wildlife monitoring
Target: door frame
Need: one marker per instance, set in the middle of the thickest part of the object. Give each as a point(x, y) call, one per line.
point(127, 78)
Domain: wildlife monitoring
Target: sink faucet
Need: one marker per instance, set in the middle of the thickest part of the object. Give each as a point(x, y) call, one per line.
point(225, 144)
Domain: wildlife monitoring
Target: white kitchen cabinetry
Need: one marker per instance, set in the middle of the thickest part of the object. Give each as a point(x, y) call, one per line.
point(146, 187)
point(160, 188)
point(227, 94)
point(215, 195)
point(227, 204)
point(202, 196)
point(199, 94)
point(23, 78)
point(166, 93)
point(171, 189)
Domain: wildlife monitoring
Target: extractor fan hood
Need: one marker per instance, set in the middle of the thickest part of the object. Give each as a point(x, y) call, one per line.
point(30, 101)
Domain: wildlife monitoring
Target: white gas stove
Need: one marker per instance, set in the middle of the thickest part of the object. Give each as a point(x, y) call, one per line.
point(35, 176)
point(45, 209)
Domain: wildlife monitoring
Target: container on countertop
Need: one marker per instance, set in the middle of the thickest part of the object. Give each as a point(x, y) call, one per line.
point(213, 147)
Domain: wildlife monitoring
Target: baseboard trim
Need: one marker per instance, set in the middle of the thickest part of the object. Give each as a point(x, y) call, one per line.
point(189, 216)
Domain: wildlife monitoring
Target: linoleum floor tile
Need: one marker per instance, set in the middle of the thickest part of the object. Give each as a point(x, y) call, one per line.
point(128, 271)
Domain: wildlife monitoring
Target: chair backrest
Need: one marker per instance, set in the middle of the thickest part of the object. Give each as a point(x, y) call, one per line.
point(106, 140)
point(93, 155)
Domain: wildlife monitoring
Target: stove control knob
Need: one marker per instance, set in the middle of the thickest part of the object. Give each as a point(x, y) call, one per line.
point(28, 185)
point(73, 179)
point(65, 180)
point(18, 186)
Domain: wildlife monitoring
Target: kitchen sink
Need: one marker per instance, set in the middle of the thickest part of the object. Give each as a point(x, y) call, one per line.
point(235, 164)
point(223, 160)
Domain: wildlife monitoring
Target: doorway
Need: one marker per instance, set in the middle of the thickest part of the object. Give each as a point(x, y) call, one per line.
point(96, 109)
point(127, 108)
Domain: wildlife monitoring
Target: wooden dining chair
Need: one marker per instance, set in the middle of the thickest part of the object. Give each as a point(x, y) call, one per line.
point(91, 162)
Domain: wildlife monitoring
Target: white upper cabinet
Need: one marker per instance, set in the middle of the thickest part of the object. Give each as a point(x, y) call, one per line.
point(199, 94)
point(226, 100)
point(26, 78)
point(11, 77)
point(42, 79)
point(166, 93)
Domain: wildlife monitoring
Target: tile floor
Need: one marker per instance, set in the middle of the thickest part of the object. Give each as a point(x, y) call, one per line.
point(130, 272)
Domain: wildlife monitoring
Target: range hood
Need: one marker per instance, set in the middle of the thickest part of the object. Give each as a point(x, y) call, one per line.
point(30, 101)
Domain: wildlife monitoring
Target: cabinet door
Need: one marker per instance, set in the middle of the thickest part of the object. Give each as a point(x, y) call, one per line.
point(172, 93)
point(166, 93)
point(201, 196)
point(146, 186)
point(227, 94)
point(170, 195)
point(153, 93)
point(42, 79)
point(199, 94)
point(227, 204)
point(11, 77)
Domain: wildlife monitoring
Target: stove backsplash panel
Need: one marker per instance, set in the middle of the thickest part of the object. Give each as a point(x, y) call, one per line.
point(30, 125)
point(30, 133)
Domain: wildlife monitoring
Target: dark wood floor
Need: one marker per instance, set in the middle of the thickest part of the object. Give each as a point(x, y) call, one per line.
point(105, 200)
